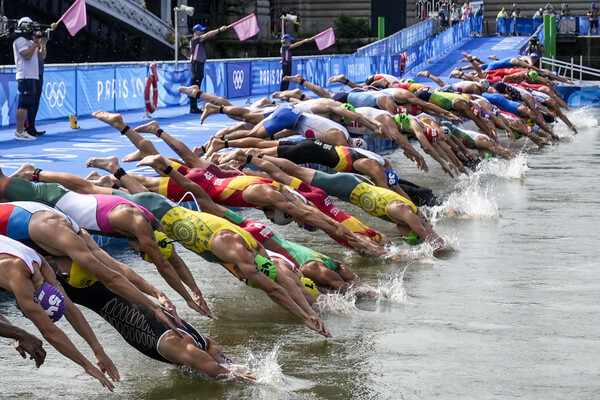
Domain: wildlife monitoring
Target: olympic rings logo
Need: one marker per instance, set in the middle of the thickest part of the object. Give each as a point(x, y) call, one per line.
point(238, 79)
point(55, 93)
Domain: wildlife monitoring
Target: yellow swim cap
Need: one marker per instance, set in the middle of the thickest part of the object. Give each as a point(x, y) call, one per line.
point(79, 277)
point(164, 244)
point(310, 286)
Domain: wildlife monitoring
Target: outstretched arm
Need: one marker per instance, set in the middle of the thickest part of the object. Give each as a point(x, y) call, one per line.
point(25, 343)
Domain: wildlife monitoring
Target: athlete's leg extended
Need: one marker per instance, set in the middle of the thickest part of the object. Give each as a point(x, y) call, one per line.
point(194, 91)
point(318, 90)
point(116, 121)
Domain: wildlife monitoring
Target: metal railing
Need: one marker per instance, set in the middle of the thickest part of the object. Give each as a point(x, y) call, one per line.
point(570, 69)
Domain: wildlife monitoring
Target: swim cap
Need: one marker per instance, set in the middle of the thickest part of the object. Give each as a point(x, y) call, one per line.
point(349, 107)
point(475, 110)
point(359, 143)
point(431, 134)
point(79, 277)
point(392, 178)
point(401, 110)
point(266, 266)
point(403, 120)
point(533, 75)
point(281, 218)
point(309, 227)
point(446, 130)
point(310, 286)
point(412, 238)
point(370, 79)
point(410, 81)
point(489, 154)
point(198, 27)
point(517, 135)
point(51, 300)
point(164, 244)
point(484, 84)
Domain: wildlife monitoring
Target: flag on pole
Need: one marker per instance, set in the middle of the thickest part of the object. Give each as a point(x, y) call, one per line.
point(75, 18)
point(246, 27)
point(325, 39)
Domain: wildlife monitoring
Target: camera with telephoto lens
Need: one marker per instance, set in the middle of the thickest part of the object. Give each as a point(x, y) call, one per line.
point(11, 29)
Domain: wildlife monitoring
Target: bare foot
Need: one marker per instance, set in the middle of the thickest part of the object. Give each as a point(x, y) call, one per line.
point(423, 73)
point(214, 144)
point(198, 152)
point(154, 161)
point(492, 57)
point(456, 73)
point(112, 119)
point(296, 78)
point(191, 91)
point(109, 164)
point(25, 172)
point(131, 157)
point(209, 109)
point(150, 127)
point(106, 181)
point(261, 103)
point(337, 78)
point(93, 176)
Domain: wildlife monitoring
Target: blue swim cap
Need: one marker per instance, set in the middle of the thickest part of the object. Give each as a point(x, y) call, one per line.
point(392, 178)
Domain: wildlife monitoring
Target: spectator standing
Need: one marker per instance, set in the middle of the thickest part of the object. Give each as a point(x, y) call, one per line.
point(565, 11)
point(466, 11)
point(539, 13)
point(455, 14)
point(592, 14)
point(444, 16)
point(479, 11)
point(39, 87)
point(26, 49)
point(286, 57)
point(198, 58)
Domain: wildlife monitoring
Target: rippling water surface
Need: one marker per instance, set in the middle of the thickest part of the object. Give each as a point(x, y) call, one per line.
point(512, 313)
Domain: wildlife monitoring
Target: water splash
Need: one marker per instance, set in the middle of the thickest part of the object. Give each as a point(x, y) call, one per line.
point(337, 302)
point(392, 287)
point(582, 117)
point(265, 367)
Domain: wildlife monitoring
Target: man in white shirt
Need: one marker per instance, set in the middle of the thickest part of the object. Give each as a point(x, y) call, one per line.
point(26, 60)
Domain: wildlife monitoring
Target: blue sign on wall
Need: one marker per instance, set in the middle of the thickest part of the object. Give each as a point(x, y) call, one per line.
point(239, 79)
point(58, 95)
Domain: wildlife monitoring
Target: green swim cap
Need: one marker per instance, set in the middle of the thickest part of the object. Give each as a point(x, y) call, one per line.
point(410, 81)
point(413, 239)
point(266, 266)
point(517, 135)
point(349, 107)
point(489, 154)
point(533, 75)
point(164, 244)
point(403, 120)
point(310, 286)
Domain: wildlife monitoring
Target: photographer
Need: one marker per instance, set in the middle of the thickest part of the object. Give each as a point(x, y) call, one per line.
point(32, 111)
point(26, 49)
point(535, 49)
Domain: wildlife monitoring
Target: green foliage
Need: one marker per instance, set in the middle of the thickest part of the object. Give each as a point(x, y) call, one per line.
point(350, 27)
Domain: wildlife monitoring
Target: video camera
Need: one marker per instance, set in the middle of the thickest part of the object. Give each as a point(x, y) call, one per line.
point(11, 29)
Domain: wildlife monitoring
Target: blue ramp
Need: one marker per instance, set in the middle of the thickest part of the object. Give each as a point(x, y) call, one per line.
point(481, 47)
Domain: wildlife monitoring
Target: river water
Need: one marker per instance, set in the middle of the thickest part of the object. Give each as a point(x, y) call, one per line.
point(512, 313)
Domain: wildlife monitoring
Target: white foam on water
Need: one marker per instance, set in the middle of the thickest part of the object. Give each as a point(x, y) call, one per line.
point(265, 367)
point(391, 288)
point(337, 302)
point(402, 251)
point(582, 117)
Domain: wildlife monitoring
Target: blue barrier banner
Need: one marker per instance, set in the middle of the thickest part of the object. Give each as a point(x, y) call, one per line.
point(264, 78)
point(8, 99)
point(239, 78)
point(215, 81)
point(358, 68)
point(503, 25)
point(58, 95)
point(95, 90)
point(524, 25)
point(129, 90)
point(169, 81)
point(584, 25)
point(396, 65)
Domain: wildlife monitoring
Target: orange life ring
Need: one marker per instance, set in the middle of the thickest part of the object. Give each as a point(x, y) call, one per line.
point(151, 84)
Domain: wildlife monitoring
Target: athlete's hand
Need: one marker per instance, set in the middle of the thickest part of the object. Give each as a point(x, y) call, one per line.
point(420, 162)
point(315, 323)
point(164, 301)
point(106, 365)
point(202, 304)
point(96, 373)
point(447, 170)
point(29, 344)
